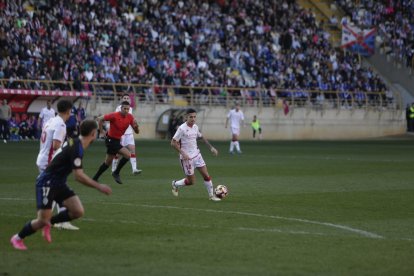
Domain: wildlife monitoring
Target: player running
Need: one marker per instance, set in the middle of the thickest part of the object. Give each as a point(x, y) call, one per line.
point(185, 142)
point(53, 135)
point(52, 185)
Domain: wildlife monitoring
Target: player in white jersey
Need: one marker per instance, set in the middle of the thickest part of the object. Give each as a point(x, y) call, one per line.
point(128, 141)
point(46, 114)
point(53, 136)
point(236, 118)
point(185, 142)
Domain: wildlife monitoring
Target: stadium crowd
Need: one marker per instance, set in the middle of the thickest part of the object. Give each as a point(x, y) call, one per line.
point(394, 20)
point(245, 43)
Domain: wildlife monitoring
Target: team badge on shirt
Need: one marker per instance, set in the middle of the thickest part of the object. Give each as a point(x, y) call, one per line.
point(77, 162)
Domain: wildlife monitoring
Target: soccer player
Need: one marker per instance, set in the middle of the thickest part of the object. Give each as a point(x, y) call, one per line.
point(128, 141)
point(185, 142)
point(236, 118)
point(51, 139)
point(118, 124)
point(51, 185)
point(256, 127)
point(46, 114)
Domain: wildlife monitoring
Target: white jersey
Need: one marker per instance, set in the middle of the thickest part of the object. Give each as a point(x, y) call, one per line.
point(129, 129)
point(55, 129)
point(187, 137)
point(235, 118)
point(46, 114)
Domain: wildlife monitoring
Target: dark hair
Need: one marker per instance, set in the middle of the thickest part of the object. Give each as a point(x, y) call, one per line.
point(63, 106)
point(87, 126)
point(124, 94)
point(190, 110)
point(125, 103)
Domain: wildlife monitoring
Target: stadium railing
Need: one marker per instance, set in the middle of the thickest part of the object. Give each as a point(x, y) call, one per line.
point(219, 96)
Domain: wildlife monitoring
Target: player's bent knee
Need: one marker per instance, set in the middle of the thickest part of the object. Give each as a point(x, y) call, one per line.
point(77, 213)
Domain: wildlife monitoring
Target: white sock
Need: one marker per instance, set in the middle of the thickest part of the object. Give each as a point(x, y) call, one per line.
point(114, 164)
point(237, 145)
point(180, 183)
point(231, 146)
point(133, 161)
point(209, 187)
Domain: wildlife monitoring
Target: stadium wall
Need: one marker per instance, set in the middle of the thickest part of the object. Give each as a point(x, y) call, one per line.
point(297, 124)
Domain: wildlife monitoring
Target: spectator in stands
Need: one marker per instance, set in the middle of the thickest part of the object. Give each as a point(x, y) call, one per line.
point(34, 131)
point(5, 115)
point(188, 44)
point(24, 128)
point(393, 19)
point(14, 129)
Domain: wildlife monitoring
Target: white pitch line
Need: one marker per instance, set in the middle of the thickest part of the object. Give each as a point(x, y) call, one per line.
point(134, 222)
point(328, 224)
point(281, 231)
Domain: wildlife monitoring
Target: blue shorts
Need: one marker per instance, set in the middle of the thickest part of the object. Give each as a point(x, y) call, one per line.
point(46, 194)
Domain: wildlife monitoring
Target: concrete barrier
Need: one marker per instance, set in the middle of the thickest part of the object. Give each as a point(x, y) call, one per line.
point(299, 124)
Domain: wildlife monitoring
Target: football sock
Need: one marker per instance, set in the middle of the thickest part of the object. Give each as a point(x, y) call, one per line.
point(61, 217)
point(27, 230)
point(231, 146)
point(180, 183)
point(115, 163)
point(133, 161)
point(209, 187)
point(100, 171)
point(121, 163)
point(236, 143)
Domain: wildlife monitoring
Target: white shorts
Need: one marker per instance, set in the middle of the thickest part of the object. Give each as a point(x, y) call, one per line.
point(235, 131)
point(189, 165)
point(127, 139)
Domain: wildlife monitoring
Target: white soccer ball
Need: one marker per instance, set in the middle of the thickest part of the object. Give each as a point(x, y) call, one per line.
point(221, 191)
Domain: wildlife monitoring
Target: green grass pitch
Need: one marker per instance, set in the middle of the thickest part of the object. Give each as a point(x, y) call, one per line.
point(294, 208)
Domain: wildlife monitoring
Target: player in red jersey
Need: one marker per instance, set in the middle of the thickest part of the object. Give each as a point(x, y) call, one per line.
point(119, 122)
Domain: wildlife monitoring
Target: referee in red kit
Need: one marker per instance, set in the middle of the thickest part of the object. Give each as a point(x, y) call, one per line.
point(118, 124)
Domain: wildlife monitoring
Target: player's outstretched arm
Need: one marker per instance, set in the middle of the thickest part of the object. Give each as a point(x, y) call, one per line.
point(213, 150)
point(81, 177)
point(100, 121)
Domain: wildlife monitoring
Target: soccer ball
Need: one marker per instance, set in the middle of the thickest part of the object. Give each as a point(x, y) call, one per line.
point(221, 191)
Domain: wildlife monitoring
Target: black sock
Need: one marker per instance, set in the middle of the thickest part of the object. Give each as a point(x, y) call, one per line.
point(121, 163)
point(61, 217)
point(100, 171)
point(27, 230)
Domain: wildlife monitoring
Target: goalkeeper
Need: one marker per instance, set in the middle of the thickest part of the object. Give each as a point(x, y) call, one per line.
point(256, 127)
